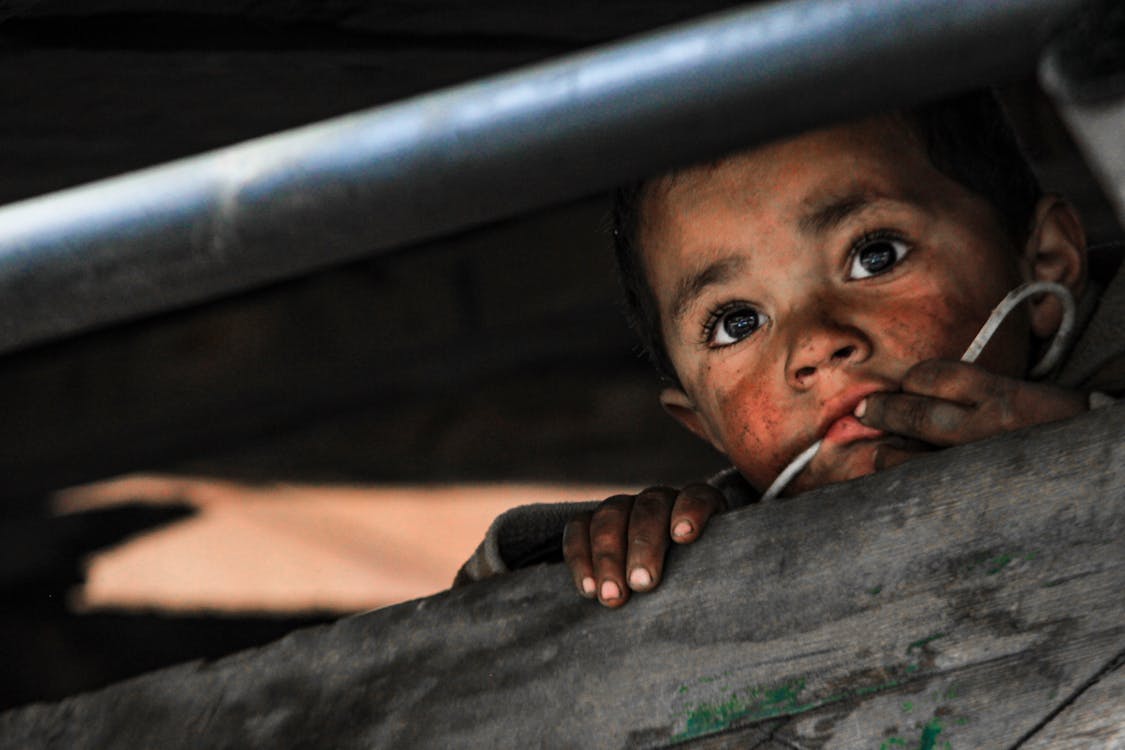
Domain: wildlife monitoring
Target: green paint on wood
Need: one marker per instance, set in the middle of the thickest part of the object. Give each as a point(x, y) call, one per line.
point(754, 705)
point(875, 590)
point(922, 643)
point(998, 563)
point(757, 703)
point(930, 734)
point(760, 703)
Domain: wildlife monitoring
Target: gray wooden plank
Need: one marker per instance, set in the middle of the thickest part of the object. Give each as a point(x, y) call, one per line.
point(982, 583)
point(1096, 718)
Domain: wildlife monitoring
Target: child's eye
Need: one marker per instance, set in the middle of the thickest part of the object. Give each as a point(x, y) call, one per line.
point(731, 324)
point(874, 255)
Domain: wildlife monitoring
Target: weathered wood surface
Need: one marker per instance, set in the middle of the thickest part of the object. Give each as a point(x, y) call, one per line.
point(971, 599)
point(1095, 719)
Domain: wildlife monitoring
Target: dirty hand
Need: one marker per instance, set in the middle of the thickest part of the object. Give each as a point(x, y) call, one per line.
point(949, 403)
point(620, 546)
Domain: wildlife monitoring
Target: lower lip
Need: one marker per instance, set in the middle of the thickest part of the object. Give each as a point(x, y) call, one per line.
point(848, 430)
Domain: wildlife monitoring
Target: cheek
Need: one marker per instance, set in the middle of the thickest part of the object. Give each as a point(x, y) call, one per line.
point(754, 429)
point(931, 323)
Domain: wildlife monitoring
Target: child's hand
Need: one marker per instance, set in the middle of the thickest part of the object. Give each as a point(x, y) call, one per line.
point(949, 403)
point(625, 538)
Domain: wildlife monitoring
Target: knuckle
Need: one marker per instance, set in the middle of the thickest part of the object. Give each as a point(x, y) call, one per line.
point(655, 496)
point(915, 413)
point(920, 375)
point(932, 370)
point(615, 504)
point(606, 558)
point(607, 538)
point(700, 497)
point(651, 505)
point(616, 515)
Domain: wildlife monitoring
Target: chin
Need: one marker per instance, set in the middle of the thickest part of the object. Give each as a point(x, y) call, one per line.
point(859, 460)
point(840, 463)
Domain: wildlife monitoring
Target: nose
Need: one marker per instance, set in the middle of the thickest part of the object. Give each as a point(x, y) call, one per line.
point(822, 348)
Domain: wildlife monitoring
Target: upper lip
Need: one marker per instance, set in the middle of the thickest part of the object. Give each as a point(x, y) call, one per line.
point(844, 403)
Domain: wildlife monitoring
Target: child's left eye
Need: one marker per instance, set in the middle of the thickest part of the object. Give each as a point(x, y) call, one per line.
point(875, 255)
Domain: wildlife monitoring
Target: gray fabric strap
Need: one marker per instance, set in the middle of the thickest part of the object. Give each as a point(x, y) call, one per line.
point(518, 534)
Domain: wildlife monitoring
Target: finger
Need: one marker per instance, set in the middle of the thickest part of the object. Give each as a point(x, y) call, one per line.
point(931, 420)
point(694, 507)
point(609, 529)
point(648, 537)
point(576, 553)
point(953, 381)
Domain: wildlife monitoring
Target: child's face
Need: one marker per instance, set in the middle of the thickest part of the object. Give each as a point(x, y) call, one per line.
point(795, 279)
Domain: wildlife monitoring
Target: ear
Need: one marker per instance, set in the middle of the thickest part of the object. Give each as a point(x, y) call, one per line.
point(680, 405)
point(1055, 251)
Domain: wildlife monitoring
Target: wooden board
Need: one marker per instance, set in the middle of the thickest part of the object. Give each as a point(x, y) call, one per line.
point(971, 599)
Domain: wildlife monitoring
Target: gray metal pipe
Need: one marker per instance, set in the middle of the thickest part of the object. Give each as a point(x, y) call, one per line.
point(283, 205)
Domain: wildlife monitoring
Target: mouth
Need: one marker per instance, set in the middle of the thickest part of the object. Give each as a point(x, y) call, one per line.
point(847, 430)
point(842, 428)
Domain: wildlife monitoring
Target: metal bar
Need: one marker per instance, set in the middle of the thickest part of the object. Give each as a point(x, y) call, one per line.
point(284, 205)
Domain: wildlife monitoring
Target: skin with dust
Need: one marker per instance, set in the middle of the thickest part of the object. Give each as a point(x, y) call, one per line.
point(796, 280)
point(824, 288)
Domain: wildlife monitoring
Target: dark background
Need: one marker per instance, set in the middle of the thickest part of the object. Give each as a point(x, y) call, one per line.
point(493, 355)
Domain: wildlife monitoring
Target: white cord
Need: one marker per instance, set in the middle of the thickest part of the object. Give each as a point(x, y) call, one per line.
point(1009, 303)
point(1011, 300)
point(795, 467)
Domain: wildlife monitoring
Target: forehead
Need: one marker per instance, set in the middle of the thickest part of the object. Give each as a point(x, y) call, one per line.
point(772, 205)
point(775, 185)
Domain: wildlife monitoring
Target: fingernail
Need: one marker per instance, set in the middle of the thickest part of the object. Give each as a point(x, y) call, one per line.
point(860, 409)
point(610, 591)
point(589, 586)
point(639, 578)
point(682, 529)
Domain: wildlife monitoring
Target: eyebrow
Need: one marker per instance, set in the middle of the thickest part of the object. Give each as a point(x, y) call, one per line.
point(690, 287)
point(827, 216)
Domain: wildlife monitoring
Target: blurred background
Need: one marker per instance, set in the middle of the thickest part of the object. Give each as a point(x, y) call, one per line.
point(209, 479)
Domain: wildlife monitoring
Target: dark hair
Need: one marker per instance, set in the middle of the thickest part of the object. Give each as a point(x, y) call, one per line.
point(967, 138)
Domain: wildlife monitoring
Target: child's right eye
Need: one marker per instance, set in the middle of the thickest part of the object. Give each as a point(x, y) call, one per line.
point(731, 324)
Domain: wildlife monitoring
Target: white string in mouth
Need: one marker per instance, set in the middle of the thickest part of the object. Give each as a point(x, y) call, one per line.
point(1011, 300)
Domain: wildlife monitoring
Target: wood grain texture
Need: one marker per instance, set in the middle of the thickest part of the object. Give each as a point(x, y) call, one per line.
point(1096, 718)
point(959, 601)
